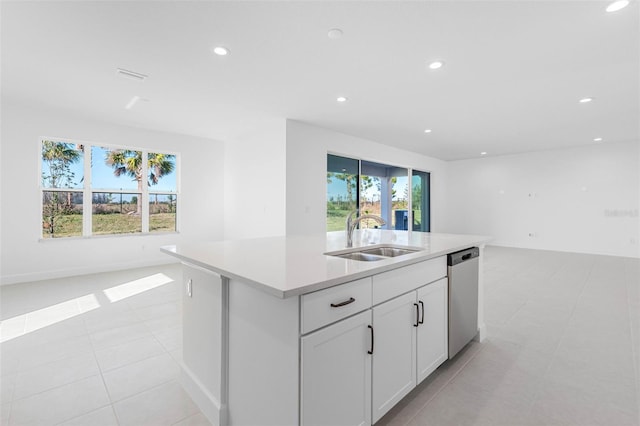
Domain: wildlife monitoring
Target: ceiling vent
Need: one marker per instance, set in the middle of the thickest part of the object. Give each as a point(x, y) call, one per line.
point(131, 74)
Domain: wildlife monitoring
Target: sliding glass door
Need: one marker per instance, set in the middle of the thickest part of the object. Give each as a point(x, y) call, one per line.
point(383, 190)
point(420, 200)
point(342, 190)
point(379, 189)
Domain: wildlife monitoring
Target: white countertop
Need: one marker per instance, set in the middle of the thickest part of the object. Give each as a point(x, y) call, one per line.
point(292, 265)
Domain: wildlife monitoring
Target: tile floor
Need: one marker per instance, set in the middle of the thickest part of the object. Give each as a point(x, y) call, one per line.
point(562, 349)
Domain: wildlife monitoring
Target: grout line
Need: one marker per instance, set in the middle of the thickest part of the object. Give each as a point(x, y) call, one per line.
point(564, 332)
point(146, 357)
point(157, 385)
point(445, 384)
point(188, 417)
point(103, 381)
point(634, 345)
point(115, 414)
point(10, 412)
point(80, 415)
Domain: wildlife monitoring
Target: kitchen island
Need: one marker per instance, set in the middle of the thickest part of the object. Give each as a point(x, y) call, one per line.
point(278, 332)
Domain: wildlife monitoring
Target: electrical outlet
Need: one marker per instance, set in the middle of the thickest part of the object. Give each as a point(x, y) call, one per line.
point(190, 288)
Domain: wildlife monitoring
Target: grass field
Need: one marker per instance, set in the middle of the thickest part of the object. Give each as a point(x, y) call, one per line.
point(336, 218)
point(109, 224)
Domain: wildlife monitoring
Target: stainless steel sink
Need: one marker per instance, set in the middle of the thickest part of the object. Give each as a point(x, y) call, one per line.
point(389, 251)
point(359, 256)
point(372, 254)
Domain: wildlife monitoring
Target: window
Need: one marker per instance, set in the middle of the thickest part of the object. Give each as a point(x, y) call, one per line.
point(98, 190)
point(379, 189)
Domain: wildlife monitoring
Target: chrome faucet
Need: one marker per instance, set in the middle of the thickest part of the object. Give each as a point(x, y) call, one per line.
point(352, 223)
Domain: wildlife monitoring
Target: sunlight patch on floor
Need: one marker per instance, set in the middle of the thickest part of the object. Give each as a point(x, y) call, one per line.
point(135, 287)
point(35, 320)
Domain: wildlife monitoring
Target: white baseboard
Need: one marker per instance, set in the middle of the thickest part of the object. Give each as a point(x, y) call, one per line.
point(212, 409)
point(482, 333)
point(81, 270)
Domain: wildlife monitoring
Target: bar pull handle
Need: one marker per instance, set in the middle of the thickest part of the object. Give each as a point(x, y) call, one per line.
point(371, 331)
point(422, 309)
point(417, 315)
point(345, 303)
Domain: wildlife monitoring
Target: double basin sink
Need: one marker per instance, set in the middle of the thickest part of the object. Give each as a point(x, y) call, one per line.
point(372, 254)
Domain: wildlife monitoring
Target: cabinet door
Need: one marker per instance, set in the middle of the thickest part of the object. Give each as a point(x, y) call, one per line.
point(336, 374)
point(394, 356)
point(432, 331)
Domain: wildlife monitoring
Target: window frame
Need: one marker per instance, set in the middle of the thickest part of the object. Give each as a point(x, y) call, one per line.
point(410, 175)
point(87, 190)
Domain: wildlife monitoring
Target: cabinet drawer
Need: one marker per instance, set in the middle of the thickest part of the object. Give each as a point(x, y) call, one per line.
point(332, 304)
point(390, 284)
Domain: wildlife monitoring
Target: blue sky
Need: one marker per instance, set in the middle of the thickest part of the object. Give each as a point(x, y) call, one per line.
point(103, 177)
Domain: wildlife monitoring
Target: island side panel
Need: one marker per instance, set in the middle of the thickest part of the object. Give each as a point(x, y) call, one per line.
point(263, 357)
point(204, 346)
point(482, 327)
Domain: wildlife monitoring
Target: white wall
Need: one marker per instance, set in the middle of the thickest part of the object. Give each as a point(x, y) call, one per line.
point(24, 257)
point(254, 190)
point(307, 148)
point(582, 199)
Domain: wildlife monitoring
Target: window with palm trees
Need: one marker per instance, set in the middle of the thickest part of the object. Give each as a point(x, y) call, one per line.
point(97, 190)
point(399, 195)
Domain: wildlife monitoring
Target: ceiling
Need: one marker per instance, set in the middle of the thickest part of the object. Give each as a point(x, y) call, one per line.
point(513, 75)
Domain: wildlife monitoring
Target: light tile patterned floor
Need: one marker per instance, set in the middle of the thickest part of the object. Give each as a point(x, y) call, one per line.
point(562, 349)
point(95, 350)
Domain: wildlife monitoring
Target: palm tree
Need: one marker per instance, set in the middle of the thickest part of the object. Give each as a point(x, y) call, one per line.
point(58, 157)
point(129, 163)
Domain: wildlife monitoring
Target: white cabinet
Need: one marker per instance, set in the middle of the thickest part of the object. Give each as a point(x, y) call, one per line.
point(356, 369)
point(336, 373)
point(332, 304)
point(394, 356)
point(411, 342)
point(432, 330)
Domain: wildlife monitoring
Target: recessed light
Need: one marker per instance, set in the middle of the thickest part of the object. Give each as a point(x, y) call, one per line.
point(221, 51)
point(617, 5)
point(132, 102)
point(597, 139)
point(483, 153)
point(341, 99)
point(436, 64)
point(585, 100)
point(427, 130)
point(334, 33)
point(131, 74)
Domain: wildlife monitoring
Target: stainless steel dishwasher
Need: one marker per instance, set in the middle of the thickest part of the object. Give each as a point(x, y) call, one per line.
point(462, 270)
